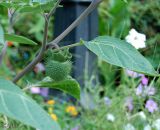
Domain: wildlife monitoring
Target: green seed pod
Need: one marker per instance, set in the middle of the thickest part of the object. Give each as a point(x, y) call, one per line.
point(61, 55)
point(58, 70)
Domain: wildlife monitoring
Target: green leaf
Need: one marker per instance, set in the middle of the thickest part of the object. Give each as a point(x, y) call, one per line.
point(120, 53)
point(17, 105)
point(9, 5)
point(69, 86)
point(19, 39)
point(14, 4)
point(36, 8)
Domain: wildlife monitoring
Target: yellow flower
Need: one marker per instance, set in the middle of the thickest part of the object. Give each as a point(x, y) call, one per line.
point(50, 110)
point(74, 113)
point(72, 110)
point(50, 102)
point(54, 116)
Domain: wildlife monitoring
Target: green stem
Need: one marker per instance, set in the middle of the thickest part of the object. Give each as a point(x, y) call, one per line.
point(43, 48)
point(70, 46)
point(54, 8)
point(37, 59)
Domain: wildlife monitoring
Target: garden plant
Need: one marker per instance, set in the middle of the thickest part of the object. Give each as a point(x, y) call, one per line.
point(18, 105)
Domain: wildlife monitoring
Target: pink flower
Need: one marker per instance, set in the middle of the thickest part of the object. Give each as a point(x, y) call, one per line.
point(151, 105)
point(144, 80)
point(35, 90)
point(42, 91)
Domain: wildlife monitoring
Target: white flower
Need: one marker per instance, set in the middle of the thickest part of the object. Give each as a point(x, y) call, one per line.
point(110, 117)
point(136, 39)
point(142, 115)
point(129, 127)
point(147, 127)
point(156, 124)
point(139, 114)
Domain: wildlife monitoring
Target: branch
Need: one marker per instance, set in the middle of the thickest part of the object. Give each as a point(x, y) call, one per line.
point(10, 30)
point(91, 7)
point(38, 58)
point(3, 53)
point(43, 48)
point(54, 8)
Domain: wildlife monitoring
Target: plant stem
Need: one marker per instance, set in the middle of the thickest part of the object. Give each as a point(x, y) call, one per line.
point(43, 48)
point(69, 46)
point(29, 67)
point(10, 30)
point(91, 7)
point(3, 53)
point(39, 56)
point(54, 8)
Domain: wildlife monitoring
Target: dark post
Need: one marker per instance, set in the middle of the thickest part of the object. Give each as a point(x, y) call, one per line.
point(87, 30)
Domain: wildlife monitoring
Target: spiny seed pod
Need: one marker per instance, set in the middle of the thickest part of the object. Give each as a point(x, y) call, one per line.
point(61, 55)
point(58, 70)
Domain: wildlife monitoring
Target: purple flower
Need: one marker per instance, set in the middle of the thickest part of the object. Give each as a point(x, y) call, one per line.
point(129, 103)
point(145, 90)
point(35, 90)
point(150, 91)
point(44, 92)
point(144, 80)
point(139, 89)
point(133, 74)
point(75, 128)
point(107, 101)
point(151, 105)
point(39, 68)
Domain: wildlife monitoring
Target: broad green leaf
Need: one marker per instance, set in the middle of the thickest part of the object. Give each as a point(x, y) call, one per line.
point(69, 86)
point(19, 39)
point(120, 53)
point(17, 105)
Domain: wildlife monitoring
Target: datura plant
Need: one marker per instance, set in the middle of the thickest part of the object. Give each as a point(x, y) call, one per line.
point(15, 103)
